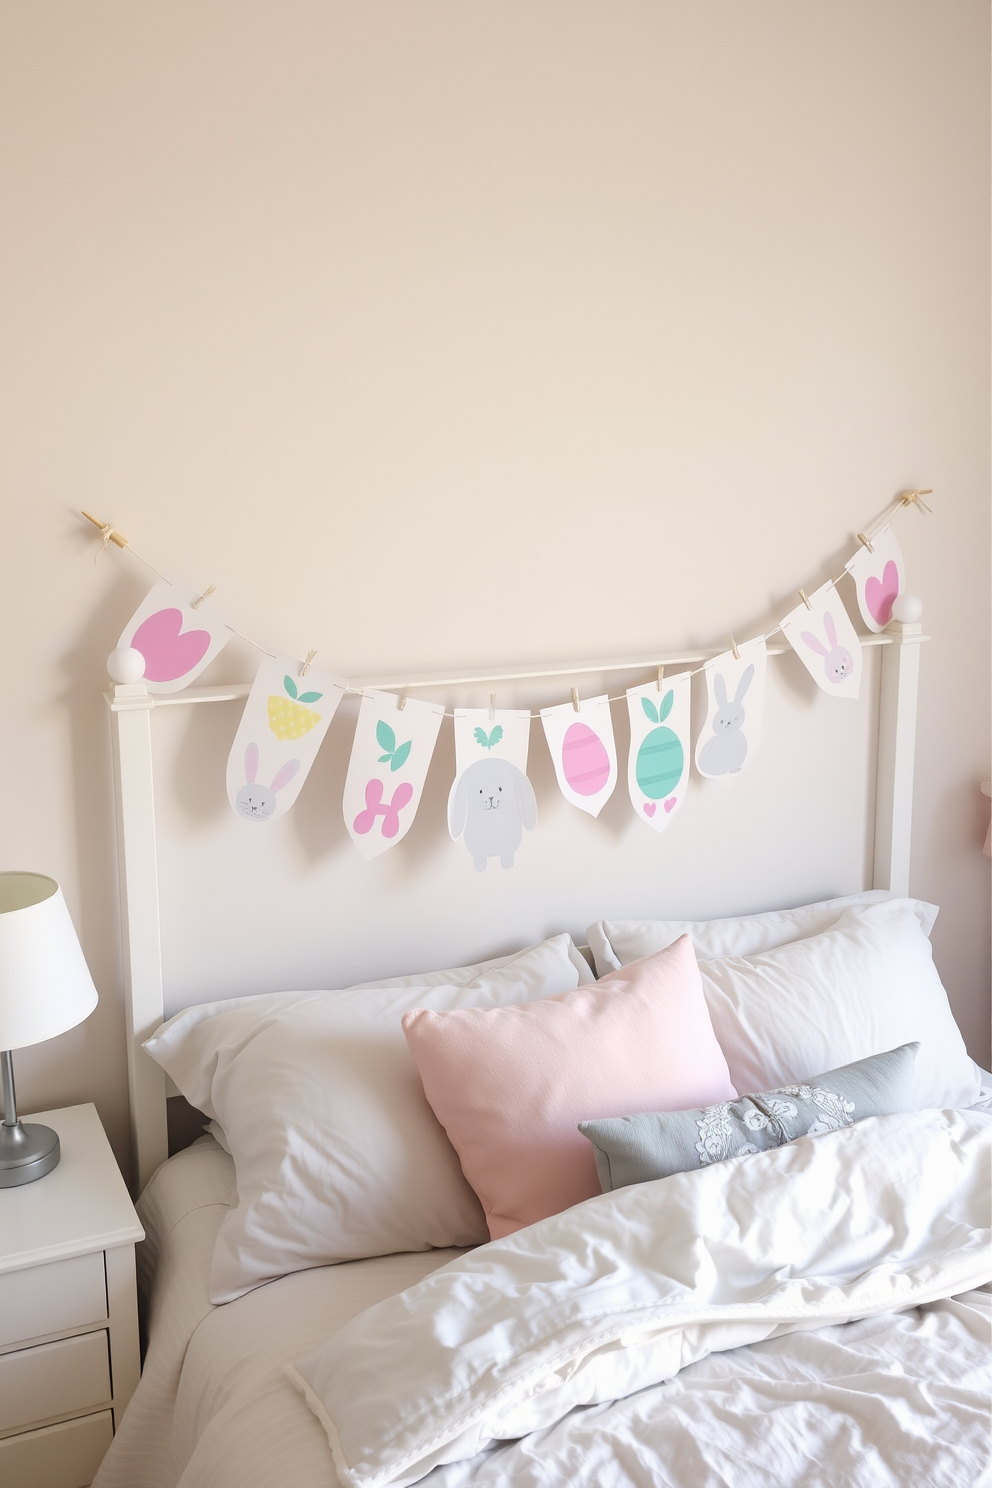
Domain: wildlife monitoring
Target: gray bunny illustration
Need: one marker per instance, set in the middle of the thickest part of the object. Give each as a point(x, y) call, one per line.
point(491, 804)
point(726, 751)
point(257, 802)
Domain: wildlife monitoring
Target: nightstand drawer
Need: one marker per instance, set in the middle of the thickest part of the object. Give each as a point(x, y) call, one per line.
point(54, 1379)
point(65, 1456)
point(52, 1298)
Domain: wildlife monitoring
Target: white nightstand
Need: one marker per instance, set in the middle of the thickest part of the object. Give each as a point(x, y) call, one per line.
point(69, 1359)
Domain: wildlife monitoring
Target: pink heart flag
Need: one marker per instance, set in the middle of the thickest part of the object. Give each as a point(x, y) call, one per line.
point(670, 803)
point(650, 808)
point(169, 652)
point(879, 593)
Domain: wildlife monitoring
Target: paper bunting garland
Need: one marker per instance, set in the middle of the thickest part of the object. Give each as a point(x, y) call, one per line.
point(176, 639)
point(281, 730)
point(880, 576)
point(735, 692)
point(658, 765)
point(491, 800)
point(822, 636)
point(583, 751)
point(390, 755)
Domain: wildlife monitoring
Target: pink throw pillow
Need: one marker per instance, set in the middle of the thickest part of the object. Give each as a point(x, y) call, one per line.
point(510, 1085)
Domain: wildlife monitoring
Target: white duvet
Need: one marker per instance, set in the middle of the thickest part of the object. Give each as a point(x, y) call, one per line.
point(505, 1363)
point(897, 1400)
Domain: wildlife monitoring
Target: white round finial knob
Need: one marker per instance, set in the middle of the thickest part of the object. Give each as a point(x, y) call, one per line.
point(126, 665)
point(907, 608)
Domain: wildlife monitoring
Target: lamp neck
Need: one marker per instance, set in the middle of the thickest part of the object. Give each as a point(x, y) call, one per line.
point(9, 1103)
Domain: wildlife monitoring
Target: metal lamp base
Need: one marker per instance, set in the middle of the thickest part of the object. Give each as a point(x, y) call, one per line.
point(27, 1151)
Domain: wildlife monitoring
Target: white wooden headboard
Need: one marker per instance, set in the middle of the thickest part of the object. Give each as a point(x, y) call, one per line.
point(131, 708)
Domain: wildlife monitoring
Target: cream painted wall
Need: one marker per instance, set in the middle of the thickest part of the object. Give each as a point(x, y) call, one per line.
point(442, 333)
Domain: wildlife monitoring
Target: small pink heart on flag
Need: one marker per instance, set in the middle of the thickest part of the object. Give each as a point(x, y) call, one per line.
point(879, 593)
point(650, 808)
point(670, 803)
point(169, 653)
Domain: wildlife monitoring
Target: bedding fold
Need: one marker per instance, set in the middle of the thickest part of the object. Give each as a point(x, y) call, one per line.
point(625, 1290)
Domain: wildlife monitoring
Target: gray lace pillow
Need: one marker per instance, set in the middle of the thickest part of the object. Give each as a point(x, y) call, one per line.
point(636, 1149)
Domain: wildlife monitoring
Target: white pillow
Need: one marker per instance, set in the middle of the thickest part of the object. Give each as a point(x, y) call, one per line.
point(616, 942)
point(547, 953)
point(338, 1154)
point(460, 976)
point(866, 985)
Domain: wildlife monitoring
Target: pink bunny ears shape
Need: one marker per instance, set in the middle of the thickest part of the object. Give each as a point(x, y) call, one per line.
point(283, 775)
point(815, 644)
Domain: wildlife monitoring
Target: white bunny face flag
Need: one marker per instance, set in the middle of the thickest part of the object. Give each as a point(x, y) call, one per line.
point(176, 640)
point(283, 725)
point(880, 577)
point(658, 764)
point(491, 800)
point(389, 761)
point(583, 751)
point(826, 642)
point(735, 692)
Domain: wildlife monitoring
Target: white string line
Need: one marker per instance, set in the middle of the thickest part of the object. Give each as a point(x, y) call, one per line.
point(885, 521)
point(907, 499)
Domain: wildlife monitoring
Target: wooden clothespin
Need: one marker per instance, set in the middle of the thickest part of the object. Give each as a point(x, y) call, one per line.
point(661, 676)
point(909, 497)
point(802, 596)
point(863, 539)
point(575, 699)
point(733, 647)
point(402, 700)
point(212, 589)
point(492, 706)
point(305, 667)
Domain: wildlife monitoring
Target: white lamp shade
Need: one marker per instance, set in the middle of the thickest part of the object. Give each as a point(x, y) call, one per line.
point(45, 984)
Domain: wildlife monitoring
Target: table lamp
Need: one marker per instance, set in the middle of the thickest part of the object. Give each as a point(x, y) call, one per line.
point(45, 988)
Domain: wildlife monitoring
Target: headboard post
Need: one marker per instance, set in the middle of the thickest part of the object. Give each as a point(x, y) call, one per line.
point(130, 711)
point(897, 704)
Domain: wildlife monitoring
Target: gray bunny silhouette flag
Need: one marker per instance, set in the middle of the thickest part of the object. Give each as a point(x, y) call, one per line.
point(735, 704)
point(491, 800)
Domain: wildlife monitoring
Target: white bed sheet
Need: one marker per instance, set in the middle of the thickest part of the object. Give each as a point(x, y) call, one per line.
point(215, 1410)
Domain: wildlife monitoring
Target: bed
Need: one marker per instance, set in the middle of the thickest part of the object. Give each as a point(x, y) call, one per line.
point(214, 1407)
point(323, 1306)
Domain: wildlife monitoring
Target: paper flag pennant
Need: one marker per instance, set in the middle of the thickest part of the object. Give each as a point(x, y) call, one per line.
point(491, 799)
point(826, 642)
point(658, 764)
point(880, 577)
point(282, 728)
point(176, 640)
point(389, 762)
point(735, 690)
point(583, 751)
